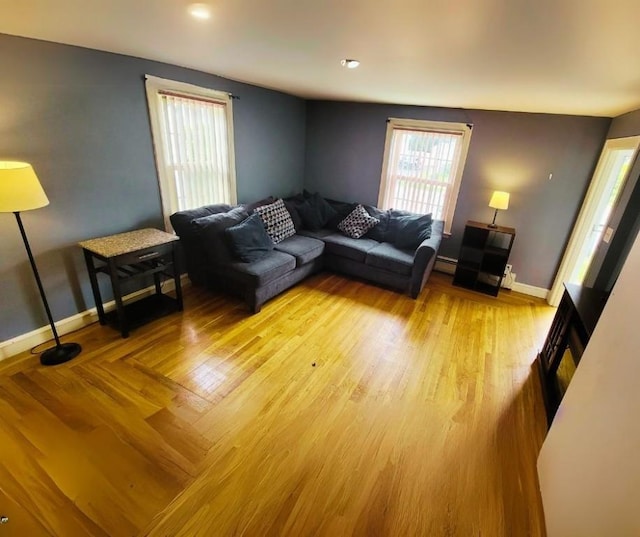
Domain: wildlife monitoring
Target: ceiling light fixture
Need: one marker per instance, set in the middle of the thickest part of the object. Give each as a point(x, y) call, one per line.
point(349, 63)
point(200, 11)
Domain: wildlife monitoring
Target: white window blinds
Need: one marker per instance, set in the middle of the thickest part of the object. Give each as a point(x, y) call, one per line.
point(193, 142)
point(423, 167)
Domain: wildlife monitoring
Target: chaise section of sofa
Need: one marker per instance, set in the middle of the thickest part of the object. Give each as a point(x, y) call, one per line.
point(211, 263)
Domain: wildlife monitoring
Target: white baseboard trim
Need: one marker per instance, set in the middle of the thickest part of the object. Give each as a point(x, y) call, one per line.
point(448, 266)
point(530, 290)
point(27, 341)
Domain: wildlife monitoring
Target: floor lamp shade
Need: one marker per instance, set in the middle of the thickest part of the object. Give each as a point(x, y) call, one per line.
point(20, 190)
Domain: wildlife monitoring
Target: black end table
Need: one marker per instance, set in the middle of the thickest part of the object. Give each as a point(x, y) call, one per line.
point(131, 255)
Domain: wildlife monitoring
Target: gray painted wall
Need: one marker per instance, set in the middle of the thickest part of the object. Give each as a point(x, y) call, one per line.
point(625, 218)
point(625, 125)
point(509, 151)
point(80, 117)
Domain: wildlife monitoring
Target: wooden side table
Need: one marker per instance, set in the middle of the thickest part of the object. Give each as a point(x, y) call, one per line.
point(127, 256)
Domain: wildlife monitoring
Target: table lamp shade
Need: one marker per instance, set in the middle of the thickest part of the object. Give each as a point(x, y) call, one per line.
point(499, 200)
point(20, 189)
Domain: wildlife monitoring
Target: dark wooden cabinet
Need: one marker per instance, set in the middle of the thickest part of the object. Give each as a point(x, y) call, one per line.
point(572, 326)
point(484, 254)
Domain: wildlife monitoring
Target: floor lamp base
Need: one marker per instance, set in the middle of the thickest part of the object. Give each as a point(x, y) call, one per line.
point(60, 354)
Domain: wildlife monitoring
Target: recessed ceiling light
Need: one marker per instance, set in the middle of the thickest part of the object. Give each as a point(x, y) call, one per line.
point(199, 11)
point(349, 63)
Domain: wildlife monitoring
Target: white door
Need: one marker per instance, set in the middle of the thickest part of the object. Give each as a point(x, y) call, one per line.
point(591, 227)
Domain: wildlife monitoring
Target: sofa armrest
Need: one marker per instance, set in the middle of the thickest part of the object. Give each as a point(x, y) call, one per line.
point(425, 258)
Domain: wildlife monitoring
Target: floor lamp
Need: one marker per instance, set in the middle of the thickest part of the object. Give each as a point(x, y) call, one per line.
point(20, 190)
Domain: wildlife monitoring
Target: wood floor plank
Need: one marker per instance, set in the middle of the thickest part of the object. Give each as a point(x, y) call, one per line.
point(340, 409)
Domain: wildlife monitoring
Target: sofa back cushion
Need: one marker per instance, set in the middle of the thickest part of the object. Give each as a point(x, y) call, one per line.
point(407, 230)
point(250, 207)
point(182, 221)
point(212, 237)
point(194, 255)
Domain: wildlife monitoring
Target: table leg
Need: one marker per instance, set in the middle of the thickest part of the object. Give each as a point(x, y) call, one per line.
point(176, 277)
point(117, 295)
point(95, 288)
point(156, 281)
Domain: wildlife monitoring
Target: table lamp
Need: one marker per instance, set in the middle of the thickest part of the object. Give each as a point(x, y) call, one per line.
point(20, 190)
point(499, 201)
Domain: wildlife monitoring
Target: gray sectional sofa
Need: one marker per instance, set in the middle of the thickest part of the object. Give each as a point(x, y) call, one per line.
point(377, 256)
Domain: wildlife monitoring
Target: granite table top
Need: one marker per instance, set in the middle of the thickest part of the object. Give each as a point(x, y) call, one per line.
point(125, 243)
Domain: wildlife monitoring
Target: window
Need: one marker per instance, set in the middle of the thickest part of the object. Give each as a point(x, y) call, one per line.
point(422, 167)
point(193, 140)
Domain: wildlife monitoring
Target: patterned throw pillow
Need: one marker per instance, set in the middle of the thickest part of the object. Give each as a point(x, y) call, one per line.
point(357, 223)
point(277, 220)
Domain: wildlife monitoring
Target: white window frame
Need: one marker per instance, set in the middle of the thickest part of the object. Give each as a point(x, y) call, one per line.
point(153, 86)
point(462, 129)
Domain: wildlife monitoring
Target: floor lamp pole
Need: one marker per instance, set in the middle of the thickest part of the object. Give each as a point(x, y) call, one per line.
point(62, 352)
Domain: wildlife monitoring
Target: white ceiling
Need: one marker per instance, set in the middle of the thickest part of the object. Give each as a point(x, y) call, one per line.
point(558, 56)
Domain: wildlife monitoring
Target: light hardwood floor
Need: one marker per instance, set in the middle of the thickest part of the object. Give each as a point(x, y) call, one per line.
point(419, 418)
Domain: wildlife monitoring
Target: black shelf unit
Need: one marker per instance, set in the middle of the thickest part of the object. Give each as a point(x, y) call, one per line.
point(484, 254)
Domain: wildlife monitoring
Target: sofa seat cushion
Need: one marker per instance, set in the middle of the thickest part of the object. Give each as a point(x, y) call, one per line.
point(304, 249)
point(356, 249)
point(389, 257)
point(263, 271)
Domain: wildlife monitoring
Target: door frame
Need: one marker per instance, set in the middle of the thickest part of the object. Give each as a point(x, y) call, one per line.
point(582, 227)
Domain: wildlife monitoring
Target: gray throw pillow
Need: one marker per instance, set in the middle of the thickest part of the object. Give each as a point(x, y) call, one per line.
point(311, 216)
point(292, 207)
point(315, 211)
point(379, 231)
point(211, 232)
point(249, 240)
point(341, 210)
